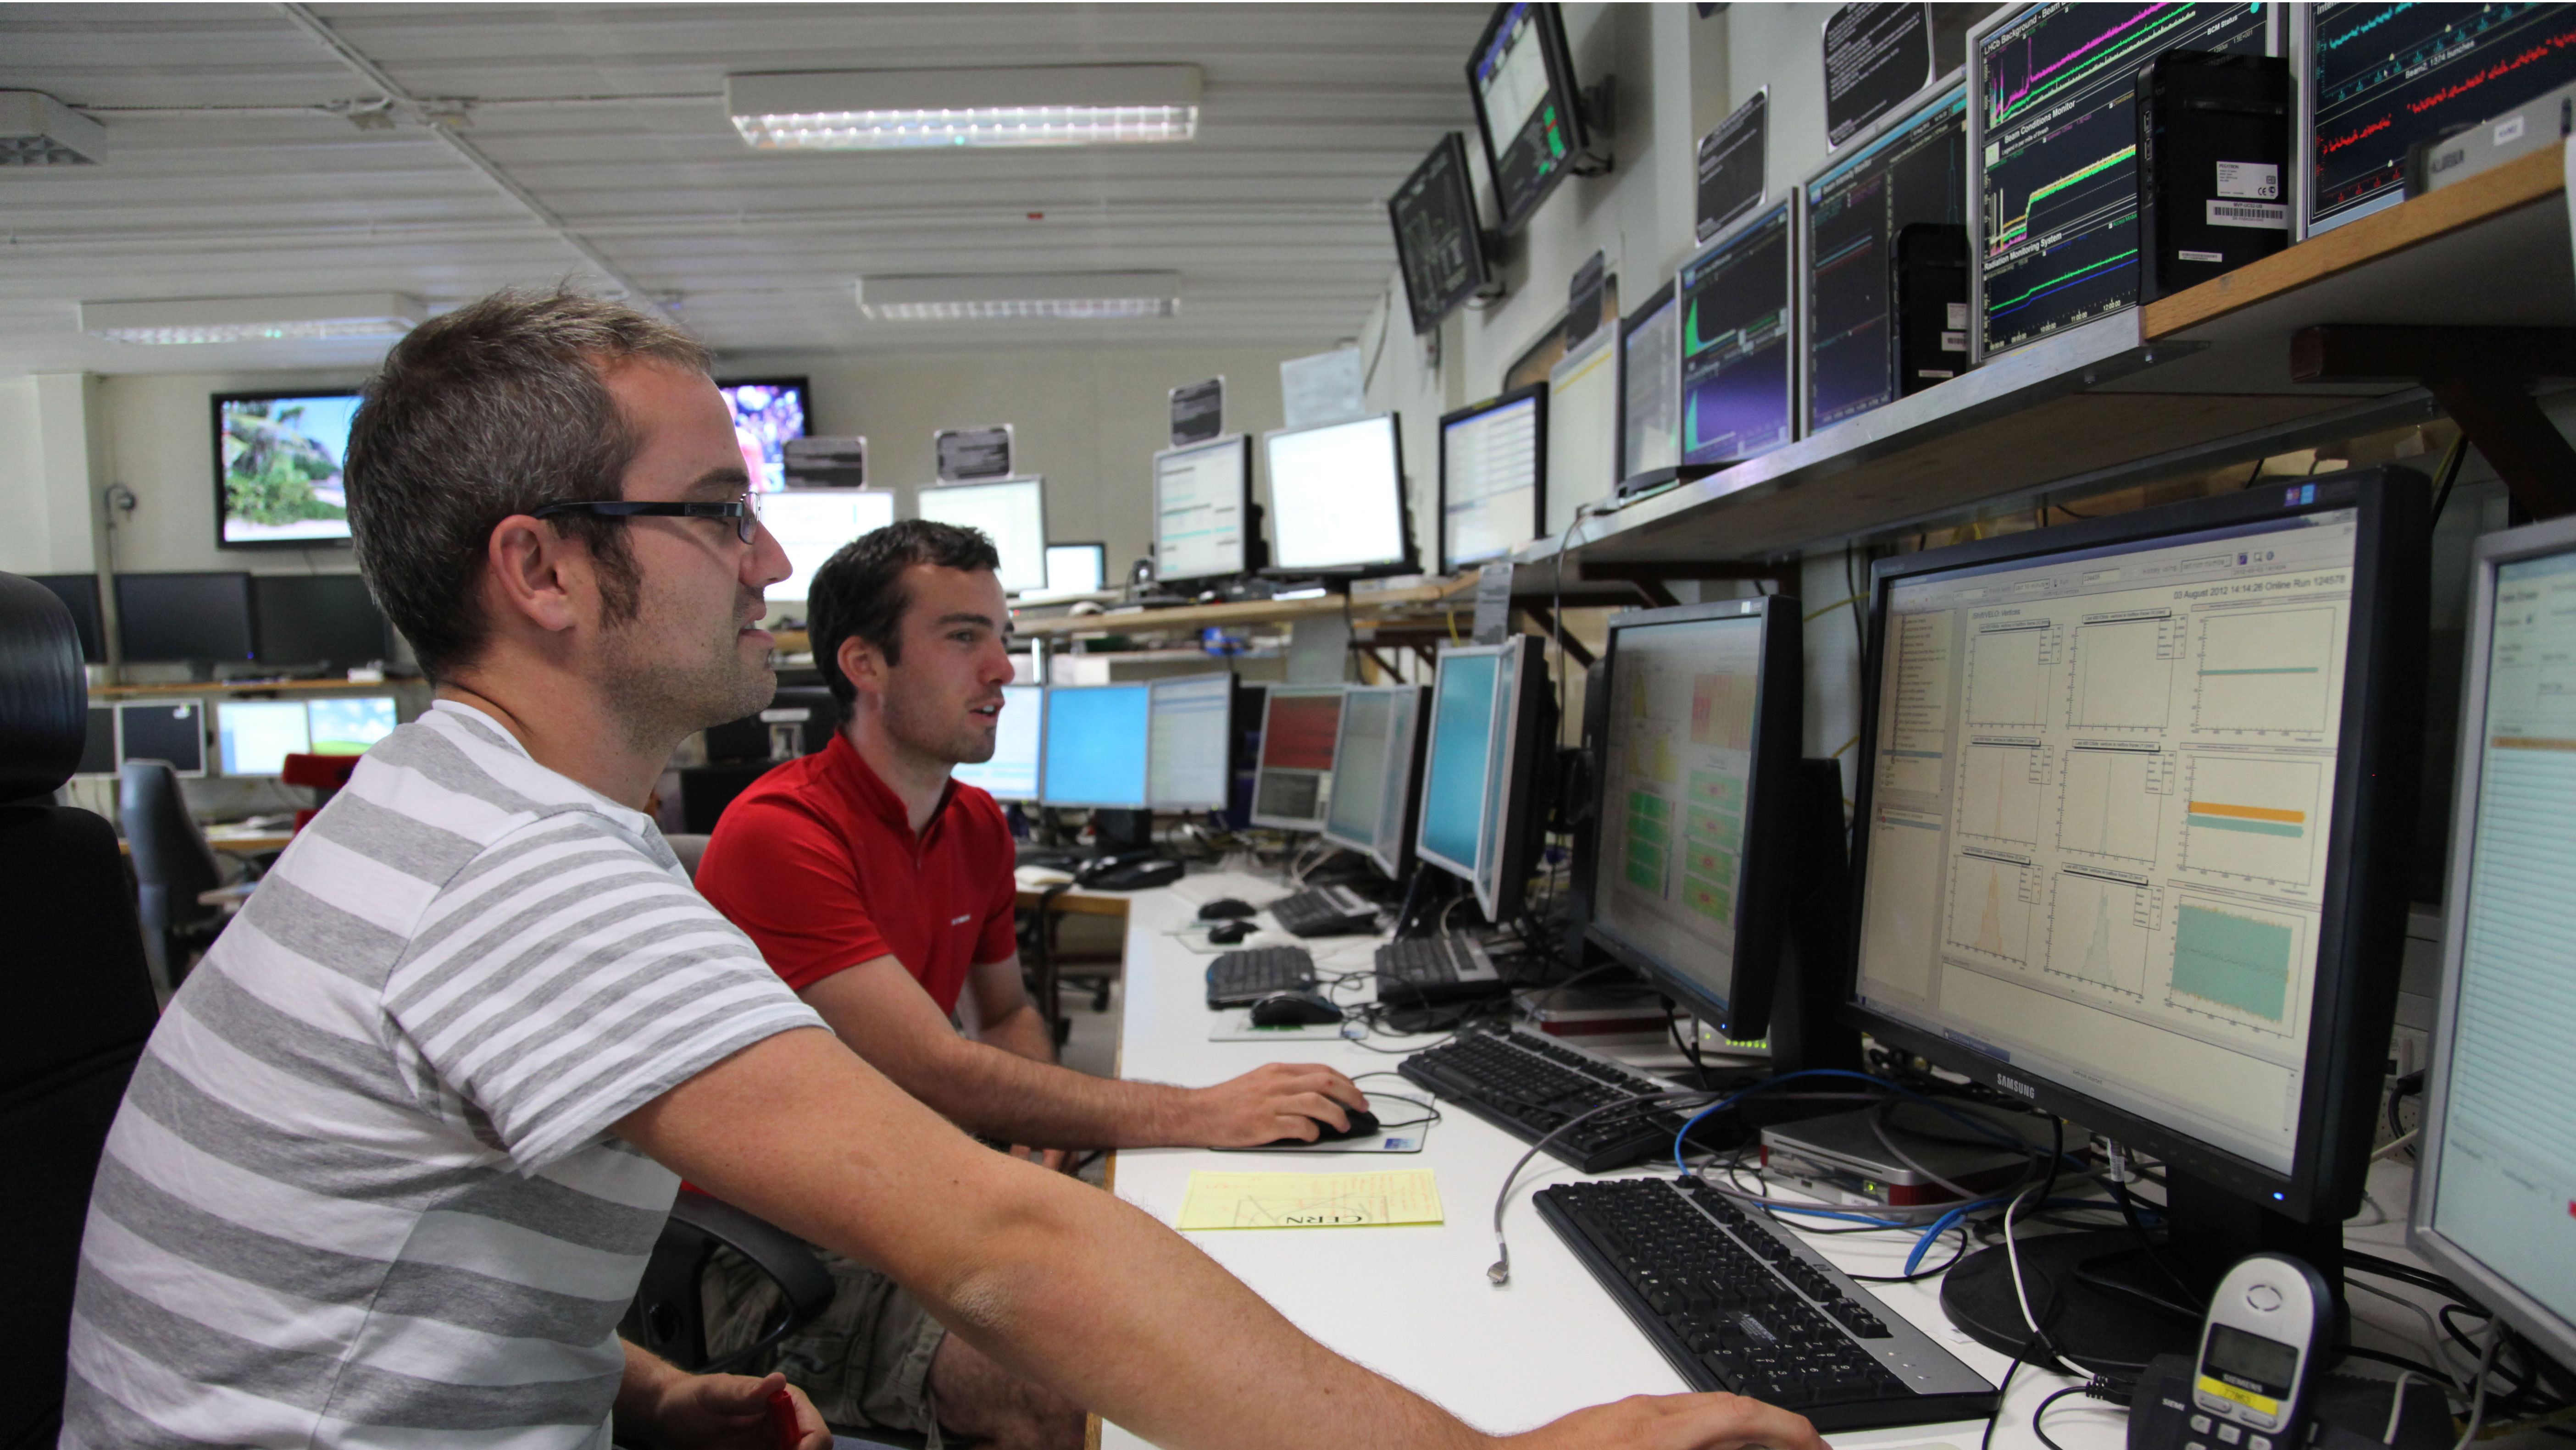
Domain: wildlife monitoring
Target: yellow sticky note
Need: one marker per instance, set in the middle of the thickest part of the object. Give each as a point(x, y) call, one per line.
point(1310, 1200)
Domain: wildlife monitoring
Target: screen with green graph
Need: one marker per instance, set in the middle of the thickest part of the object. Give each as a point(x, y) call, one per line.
point(2102, 787)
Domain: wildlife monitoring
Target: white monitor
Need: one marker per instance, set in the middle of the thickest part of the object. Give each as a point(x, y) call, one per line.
point(1337, 498)
point(1012, 773)
point(1493, 477)
point(254, 737)
point(1188, 719)
point(1077, 568)
point(1012, 511)
point(1202, 506)
point(812, 524)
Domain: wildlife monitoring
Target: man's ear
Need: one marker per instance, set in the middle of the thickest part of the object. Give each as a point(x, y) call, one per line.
point(538, 575)
point(861, 664)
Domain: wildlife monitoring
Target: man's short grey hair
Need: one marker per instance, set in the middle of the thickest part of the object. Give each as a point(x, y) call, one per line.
point(498, 408)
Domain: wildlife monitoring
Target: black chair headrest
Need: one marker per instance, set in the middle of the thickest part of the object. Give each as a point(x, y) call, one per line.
point(44, 696)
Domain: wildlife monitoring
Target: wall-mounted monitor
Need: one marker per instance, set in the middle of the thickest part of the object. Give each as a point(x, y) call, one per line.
point(277, 468)
point(1521, 76)
point(766, 413)
point(812, 524)
point(1493, 477)
point(1203, 524)
point(185, 618)
point(327, 619)
point(1914, 171)
point(1337, 499)
point(1439, 245)
point(1012, 512)
point(1736, 360)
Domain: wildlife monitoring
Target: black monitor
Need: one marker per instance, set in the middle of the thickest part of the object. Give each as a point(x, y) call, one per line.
point(2134, 819)
point(277, 468)
point(1489, 744)
point(1337, 499)
point(1377, 774)
point(185, 618)
point(1698, 742)
point(2383, 78)
point(1493, 477)
point(1736, 354)
point(318, 618)
point(1522, 78)
point(168, 730)
point(2055, 137)
point(1650, 385)
point(1439, 246)
point(1204, 526)
point(98, 744)
point(79, 594)
point(1913, 172)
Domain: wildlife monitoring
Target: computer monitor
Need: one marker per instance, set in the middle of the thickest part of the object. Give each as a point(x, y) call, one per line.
point(1522, 78)
point(1376, 764)
point(1337, 499)
point(277, 468)
point(98, 744)
point(1012, 511)
point(2054, 137)
point(185, 618)
point(1699, 738)
point(1480, 770)
point(1292, 783)
point(318, 619)
point(1439, 244)
point(1914, 171)
point(171, 730)
point(1736, 358)
point(1077, 568)
point(1493, 477)
point(1018, 734)
point(1650, 385)
point(79, 594)
point(1189, 719)
point(348, 724)
point(254, 737)
point(812, 524)
point(2495, 1173)
point(1203, 509)
point(2134, 818)
point(766, 413)
point(1096, 745)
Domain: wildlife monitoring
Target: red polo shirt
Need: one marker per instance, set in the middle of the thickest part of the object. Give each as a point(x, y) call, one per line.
point(817, 863)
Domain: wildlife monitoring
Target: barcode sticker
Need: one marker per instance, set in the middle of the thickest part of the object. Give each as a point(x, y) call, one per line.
point(2192, 256)
point(2254, 180)
point(2249, 214)
point(1954, 342)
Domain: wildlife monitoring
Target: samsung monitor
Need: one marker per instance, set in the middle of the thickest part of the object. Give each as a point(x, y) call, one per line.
point(1012, 772)
point(2134, 821)
point(1010, 511)
point(1915, 170)
point(1493, 477)
point(326, 619)
point(1521, 76)
point(1736, 358)
point(812, 524)
point(79, 594)
point(185, 618)
point(1292, 783)
point(1481, 768)
point(2053, 134)
point(170, 730)
point(277, 468)
point(1650, 385)
point(1077, 568)
point(1439, 245)
point(766, 413)
point(254, 737)
point(2495, 1176)
point(1189, 721)
point(1203, 509)
point(1376, 769)
point(1096, 746)
point(1337, 499)
point(1699, 740)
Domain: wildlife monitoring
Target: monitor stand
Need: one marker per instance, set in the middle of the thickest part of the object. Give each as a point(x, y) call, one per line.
point(1121, 831)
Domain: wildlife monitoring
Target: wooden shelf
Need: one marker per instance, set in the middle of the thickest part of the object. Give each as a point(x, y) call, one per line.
point(1365, 606)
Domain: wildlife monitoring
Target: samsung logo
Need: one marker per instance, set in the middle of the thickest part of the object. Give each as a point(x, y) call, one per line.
point(2016, 1085)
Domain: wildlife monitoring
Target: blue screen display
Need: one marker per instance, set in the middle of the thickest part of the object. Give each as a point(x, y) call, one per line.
point(1462, 738)
point(1095, 746)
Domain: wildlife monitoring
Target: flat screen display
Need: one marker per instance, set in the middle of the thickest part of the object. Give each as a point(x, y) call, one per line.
point(1012, 773)
point(1492, 480)
point(1916, 171)
point(1200, 498)
point(766, 413)
point(1527, 122)
point(254, 737)
point(1735, 343)
point(812, 525)
point(318, 618)
point(1359, 771)
point(1459, 761)
point(1439, 245)
point(1096, 742)
point(277, 468)
point(1299, 728)
point(1012, 513)
point(1189, 721)
point(1337, 497)
point(168, 730)
point(1650, 388)
point(2389, 75)
point(194, 618)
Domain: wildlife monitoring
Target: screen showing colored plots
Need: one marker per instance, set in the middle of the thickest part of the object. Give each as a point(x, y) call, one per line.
point(1439, 245)
point(1735, 343)
point(1292, 787)
point(1914, 172)
point(1522, 113)
point(2058, 182)
point(2101, 797)
point(2388, 76)
point(1012, 772)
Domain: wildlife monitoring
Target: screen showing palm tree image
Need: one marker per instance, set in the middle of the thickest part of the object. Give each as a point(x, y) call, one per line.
point(280, 460)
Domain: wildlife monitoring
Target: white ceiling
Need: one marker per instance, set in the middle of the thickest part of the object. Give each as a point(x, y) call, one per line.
point(230, 173)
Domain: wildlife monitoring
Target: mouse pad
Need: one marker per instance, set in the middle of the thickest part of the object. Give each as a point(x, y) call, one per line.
point(1406, 1136)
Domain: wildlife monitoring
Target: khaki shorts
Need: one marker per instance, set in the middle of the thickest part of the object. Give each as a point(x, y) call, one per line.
point(865, 1361)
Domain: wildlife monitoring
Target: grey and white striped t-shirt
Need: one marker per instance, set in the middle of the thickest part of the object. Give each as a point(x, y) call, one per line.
point(361, 1191)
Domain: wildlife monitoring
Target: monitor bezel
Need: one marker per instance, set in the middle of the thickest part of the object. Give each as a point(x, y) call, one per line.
point(1393, 852)
point(2553, 1332)
point(1046, 734)
point(1246, 525)
point(1790, 209)
point(207, 749)
point(1764, 886)
point(1401, 563)
point(2362, 910)
point(1036, 481)
point(262, 584)
point(1152, 688)
point(1481, 275)
point(1668, 294)
point(1557, 54)
point(223, 497)
point(1270, 697)
point(250, 613)
point(1536, 395)
point(1037, 791)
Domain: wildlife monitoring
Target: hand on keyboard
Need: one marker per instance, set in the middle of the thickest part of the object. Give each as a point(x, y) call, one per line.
point(1278, 1100)
point(1677, 1422)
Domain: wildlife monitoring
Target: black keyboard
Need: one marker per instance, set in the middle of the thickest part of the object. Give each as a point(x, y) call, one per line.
point(1326, 911)
point(1421, 971)
point(1239, 979)
point(1529, 1085)
point(1736, 1303)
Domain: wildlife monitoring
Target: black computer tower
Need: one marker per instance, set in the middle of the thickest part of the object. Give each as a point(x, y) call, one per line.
point(2213, 166)
point(1928, 292)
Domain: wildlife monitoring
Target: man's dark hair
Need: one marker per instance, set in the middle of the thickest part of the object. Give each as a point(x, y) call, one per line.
point(859, 590)
point(497, 408)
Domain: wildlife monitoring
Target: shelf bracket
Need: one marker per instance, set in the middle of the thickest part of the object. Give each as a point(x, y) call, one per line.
point(2481, 376)
point(1650, 575)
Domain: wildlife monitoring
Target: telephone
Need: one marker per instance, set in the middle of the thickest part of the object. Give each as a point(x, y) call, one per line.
point(1128, 871)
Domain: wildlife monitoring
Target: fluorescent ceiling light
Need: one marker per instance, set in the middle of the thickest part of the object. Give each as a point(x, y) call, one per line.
point(1067, 105)
point(1078, 295)
point(253, 319)
point(37, 130)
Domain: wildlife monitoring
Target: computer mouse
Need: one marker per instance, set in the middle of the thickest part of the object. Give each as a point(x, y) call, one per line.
point(1226, 908)
point(1294, 1009)
point(1227, 933)
point(1363, 1125)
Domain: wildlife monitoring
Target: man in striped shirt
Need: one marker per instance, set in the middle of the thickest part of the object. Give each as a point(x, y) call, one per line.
point(389, 1169)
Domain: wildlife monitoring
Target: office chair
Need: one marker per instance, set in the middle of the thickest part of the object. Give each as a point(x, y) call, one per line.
point(80, 1002)
point(172, 864)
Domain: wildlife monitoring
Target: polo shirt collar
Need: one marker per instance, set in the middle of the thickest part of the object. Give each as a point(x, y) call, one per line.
point(876, 797)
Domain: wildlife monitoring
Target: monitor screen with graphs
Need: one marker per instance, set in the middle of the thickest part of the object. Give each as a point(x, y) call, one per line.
point(1203, 509)
point(2057, 180)
point(1493, 477)
point(1735, 343)
point(1915, 171)
point(1439, 245)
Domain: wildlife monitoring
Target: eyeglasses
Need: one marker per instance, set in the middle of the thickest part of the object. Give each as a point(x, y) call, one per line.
point(744, 514)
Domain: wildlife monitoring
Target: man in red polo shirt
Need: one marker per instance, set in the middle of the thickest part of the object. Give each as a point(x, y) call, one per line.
point(882, 891)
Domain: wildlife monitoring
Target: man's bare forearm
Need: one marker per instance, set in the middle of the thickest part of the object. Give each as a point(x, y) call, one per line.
point(987, 1088)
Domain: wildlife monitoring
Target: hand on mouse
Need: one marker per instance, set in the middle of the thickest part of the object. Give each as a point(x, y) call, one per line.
point(1280, 1100)
point(1677, 1422)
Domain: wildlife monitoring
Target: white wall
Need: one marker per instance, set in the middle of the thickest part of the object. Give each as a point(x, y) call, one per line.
point(158, 432)
point(49, 474)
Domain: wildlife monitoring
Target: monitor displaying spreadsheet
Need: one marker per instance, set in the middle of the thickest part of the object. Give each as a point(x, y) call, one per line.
point(1190, 721)
point(1493, 477)
point(1202, 509)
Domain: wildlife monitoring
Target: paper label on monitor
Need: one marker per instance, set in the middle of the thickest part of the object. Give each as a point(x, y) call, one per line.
point(2268, 214)
point(2509, 130)
point(2259, 180)
point(1955, 317)
point(2189, 255)
point(1954, 342)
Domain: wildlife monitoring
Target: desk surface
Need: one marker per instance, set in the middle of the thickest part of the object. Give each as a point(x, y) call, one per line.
point(1414, 1304)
